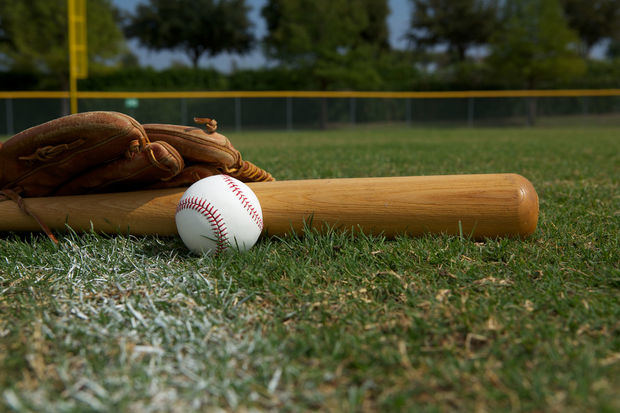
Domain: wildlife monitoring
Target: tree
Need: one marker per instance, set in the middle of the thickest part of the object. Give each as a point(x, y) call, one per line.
point(535, 46)
point(5, 41)
point(593, 20)
point(35, 36)
point(459, 24)
point(375, 32)
point(335, 41)
point(195, 27)
point(613, 51)
point(4, 38)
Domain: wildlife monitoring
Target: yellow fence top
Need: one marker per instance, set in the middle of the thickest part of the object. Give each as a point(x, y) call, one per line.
point(313, 94)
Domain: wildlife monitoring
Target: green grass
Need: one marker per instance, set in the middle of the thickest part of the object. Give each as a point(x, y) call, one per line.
point(330, 321)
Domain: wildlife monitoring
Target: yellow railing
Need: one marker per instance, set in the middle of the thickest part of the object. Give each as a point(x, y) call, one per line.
point(313, 94)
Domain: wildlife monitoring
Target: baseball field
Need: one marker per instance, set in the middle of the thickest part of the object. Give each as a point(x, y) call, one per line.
point(331, 321)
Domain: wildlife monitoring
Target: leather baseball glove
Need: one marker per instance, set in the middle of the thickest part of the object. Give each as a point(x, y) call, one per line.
point(96, 152)
point(205, 153)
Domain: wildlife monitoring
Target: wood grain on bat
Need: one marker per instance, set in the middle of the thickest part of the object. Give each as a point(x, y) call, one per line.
point(479, 205)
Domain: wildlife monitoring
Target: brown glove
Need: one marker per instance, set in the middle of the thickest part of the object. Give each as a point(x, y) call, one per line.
point(108, 152)
point(205, 152)
point(85, 153)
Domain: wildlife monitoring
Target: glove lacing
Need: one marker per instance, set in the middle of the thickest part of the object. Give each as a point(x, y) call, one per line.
point(9, 194)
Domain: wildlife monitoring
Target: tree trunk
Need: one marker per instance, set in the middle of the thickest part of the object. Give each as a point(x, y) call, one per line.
point(195, 57)
point(461, 50)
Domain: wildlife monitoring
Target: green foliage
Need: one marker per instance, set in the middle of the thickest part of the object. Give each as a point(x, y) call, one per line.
point(593, 20)
point(613, 51)
point(37, 36)
point(460, 24)
point(320, 45)
point(337, 47)
point(535, 47)
point(600, 74)
point(194, 26)
point(149, 79)
point(398, 71)
point(276, 78)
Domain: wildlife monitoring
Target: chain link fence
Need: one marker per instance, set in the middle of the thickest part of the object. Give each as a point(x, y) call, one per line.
point(291, 113)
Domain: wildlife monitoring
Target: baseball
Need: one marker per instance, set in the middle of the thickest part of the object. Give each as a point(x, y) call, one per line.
point(217, 214)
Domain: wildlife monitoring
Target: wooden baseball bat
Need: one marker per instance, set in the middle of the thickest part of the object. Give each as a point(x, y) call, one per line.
point(486, 205)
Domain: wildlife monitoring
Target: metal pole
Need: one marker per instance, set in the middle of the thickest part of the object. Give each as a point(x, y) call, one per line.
point(352, 110)
point(78, 56)
point(9, 117)
point(238, 114)
point(183, 111)
point(72, 57)
point(408, 111)
point(289, 113)
point(470, 112)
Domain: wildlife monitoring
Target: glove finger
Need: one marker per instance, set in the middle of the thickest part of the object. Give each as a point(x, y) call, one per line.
point(195, 144)
point(157, 161)
point(199, 146)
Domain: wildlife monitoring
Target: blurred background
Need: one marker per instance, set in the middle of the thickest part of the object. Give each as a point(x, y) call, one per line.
point(171, 60)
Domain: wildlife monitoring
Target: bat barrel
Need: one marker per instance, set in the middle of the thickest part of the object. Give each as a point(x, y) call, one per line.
point(486, 205)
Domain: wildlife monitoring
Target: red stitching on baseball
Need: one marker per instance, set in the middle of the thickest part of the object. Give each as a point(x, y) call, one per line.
point(213, 217)
point(245, 202)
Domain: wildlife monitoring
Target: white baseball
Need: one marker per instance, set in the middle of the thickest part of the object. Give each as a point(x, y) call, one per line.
point(219, 213)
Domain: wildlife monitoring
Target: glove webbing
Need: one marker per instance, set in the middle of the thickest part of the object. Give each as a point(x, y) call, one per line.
point(249, 172)
point(9, 194)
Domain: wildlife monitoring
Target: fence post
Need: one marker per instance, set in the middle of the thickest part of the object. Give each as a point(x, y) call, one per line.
point(352, 110)
point(289, 113)
point(408, 111)
point(584, 102)
point(9, 117)
point(183, 111)
point(532, 110)
point(470, 112)
point(238, 114)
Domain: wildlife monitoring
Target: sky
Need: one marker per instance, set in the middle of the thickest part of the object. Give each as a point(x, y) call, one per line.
point(398, 23)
